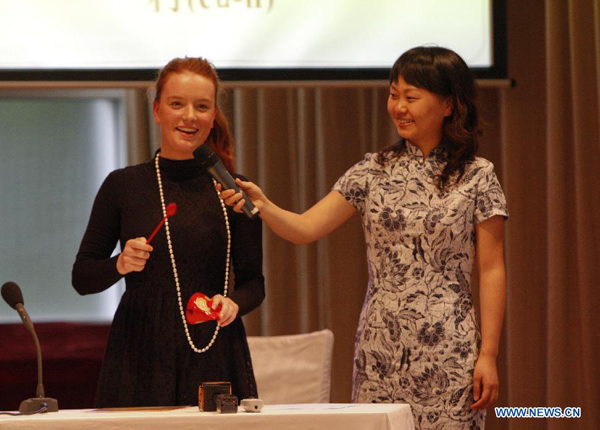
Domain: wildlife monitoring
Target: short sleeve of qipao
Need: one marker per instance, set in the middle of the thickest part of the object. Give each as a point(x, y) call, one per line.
point(490, 200)
point(354, 184)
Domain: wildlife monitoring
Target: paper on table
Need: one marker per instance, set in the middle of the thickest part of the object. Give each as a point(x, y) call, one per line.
point(140, 408)
point(311, 406)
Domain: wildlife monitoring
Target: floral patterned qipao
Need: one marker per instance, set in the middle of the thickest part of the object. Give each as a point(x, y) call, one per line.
point(418, 338)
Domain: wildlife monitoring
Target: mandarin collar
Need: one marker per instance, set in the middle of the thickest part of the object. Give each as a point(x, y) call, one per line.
point(437, 154)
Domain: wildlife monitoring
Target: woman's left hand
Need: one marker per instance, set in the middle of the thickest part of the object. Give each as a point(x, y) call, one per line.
point(229, 309)
point(485, 382)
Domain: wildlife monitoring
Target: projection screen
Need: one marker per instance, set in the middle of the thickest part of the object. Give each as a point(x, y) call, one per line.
point(242, 35)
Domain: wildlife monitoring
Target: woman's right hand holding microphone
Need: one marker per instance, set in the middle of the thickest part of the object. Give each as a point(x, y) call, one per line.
point(236, 200)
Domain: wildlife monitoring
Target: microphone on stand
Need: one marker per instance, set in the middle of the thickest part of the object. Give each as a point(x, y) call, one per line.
point(11, 293)
point(212, 163)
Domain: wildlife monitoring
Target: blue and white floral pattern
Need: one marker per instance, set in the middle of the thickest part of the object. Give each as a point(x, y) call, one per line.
point(418, 339)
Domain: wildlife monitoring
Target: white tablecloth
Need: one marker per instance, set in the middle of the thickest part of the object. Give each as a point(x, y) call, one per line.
point(329, 416)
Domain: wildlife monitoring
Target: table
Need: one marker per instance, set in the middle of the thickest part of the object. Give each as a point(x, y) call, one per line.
point(326, 416)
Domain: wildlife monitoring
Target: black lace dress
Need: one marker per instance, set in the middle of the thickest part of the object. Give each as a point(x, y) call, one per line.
point(148, 360)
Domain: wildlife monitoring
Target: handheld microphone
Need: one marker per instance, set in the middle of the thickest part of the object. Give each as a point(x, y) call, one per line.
point(211, 162)
point(11, 293)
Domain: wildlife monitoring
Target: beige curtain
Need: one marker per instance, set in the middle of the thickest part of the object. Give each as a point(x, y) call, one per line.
point(551, 154)
point(543, 137)
point(295, 143)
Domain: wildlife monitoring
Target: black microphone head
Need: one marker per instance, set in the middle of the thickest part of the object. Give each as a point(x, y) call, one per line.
point(11, 293)
point(206, 156)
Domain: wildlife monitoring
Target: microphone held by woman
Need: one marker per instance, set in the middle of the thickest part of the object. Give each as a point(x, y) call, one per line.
point(211, 162)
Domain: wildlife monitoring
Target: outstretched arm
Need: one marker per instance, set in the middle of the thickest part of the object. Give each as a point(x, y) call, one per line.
point(321, 219)
point(492, 294)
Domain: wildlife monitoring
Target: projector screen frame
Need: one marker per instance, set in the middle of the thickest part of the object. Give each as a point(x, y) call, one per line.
point(498, 70)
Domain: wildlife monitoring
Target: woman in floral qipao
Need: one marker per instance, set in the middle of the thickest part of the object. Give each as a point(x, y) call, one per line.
point(430, 209)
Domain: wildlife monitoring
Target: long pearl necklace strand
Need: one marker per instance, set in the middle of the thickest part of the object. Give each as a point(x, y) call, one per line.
point(176, 276)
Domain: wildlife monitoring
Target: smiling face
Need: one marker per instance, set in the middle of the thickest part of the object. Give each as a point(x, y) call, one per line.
point(185, 113)
point(418, 114)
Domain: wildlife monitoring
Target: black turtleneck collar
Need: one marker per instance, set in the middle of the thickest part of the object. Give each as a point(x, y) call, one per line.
point(179, 170)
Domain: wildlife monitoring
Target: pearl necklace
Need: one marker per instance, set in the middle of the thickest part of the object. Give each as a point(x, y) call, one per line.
point(176, 276)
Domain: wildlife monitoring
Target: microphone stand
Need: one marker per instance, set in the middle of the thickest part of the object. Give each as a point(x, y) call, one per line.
point(40, 403)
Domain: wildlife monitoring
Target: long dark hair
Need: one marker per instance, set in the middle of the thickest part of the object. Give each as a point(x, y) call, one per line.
point(220, 138)
point(444, 73)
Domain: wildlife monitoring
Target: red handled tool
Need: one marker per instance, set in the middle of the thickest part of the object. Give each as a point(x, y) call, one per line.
point(171, 210)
